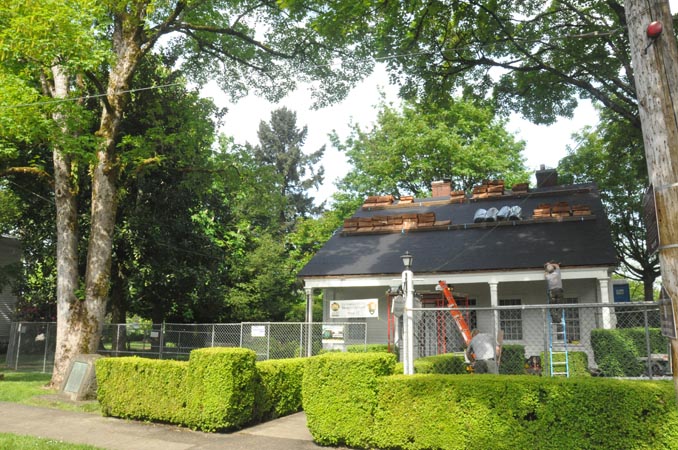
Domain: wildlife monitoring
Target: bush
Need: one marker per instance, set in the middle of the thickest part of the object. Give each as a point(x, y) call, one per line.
point(141, 388)
point(281, 383)
point(221, 387)
point(615, 353)
point(339, 395)
point(449, 363)
point(512, 360)
point(578, 363)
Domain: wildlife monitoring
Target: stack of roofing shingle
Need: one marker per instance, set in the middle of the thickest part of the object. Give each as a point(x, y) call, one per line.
point(480, 191)
point(378, 200)
point(581, 210)
point(520, 188)
point(543, 210)
point(489, 188)
point(457, 196)
point(560, 209)
point(406, 199)
point(426, 219)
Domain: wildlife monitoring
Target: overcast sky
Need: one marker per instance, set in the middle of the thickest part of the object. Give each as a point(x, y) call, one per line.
point(544, 144)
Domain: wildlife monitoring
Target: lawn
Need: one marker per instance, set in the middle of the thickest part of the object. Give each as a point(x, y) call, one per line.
point(29, 388)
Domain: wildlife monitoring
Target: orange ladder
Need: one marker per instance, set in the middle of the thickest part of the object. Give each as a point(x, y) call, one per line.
point(456, 314)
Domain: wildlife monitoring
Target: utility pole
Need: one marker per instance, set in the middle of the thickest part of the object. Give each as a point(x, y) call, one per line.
point(654, 56)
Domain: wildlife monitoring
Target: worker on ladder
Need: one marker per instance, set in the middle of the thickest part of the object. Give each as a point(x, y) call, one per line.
point(482, 351)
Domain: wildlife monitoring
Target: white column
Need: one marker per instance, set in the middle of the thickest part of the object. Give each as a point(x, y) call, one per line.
point(494, 302)
point(607, 314)
point(408, 335)
point(309, 321)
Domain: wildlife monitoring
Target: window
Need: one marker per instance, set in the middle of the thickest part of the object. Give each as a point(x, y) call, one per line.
point(572, 321)
point(511, 321)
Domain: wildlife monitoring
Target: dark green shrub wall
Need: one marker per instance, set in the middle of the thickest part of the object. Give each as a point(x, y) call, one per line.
point(512, 360)
point(442, 364)
point(482, 412)
point(339, 395)
point(281, 384)
point(616, 353)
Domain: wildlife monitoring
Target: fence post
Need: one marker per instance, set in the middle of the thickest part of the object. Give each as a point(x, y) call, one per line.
point(546, 316)
point(268, 341)
point(44, 355)
point(212, 335)
point(301, 339)
point(18, 347)
point(161, 341)
point(647, 343)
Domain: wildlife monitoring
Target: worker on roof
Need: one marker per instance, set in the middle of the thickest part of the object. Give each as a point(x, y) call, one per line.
point(482, 353)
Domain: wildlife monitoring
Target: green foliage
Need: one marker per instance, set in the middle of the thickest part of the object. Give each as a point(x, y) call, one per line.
point(578, 363)
point(616, 353)
point(220, 388)
point(281, 381)
point(142, 389)
point(612, 156)
point(408, 149)
point(351, 402)
point(441, 364)
point(658, 343)
point(339, 395)
point(512, 360)
point(18, 387)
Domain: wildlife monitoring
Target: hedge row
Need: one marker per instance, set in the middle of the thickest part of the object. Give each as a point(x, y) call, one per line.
point(350, 401)
point(217, 389)
point(617, 351)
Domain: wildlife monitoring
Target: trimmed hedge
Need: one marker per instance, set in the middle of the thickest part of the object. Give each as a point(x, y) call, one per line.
point(448, 363)
point(142, 389)
point(281, 383)
point(217, 389)
point(349, 401)
point(512, 360)
point(615, 353)
point(339, 393)
point(578, 363)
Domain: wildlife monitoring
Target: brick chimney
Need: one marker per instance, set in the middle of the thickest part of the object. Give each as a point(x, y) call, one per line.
point(546, 177)
point(442, 188)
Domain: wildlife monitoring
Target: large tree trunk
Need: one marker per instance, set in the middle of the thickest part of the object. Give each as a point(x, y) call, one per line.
point(67, 246)
point(81, 321)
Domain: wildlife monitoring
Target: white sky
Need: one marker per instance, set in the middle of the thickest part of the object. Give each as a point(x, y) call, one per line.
point(544, 144)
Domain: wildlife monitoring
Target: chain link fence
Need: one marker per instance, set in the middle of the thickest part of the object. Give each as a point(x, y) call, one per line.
point(615, 340)
point(32, 344)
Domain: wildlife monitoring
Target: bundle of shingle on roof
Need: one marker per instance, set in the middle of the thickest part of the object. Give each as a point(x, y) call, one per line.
point(560, 209)
point(397, 222)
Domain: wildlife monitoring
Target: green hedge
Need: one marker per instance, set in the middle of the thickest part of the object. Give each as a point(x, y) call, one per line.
point(217, 389)
point(512, 360)
point(349, 401)
point(281, 383)
point(449, 363)
point(142, 389)
point(339, 395)
point(578, 363)
point(616, 353)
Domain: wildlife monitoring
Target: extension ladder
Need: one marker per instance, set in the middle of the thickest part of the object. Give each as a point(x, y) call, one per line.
point(559, 363)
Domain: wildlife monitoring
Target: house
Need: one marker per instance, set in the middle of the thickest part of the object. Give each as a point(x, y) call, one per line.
point(10, 252)
point(492, 245)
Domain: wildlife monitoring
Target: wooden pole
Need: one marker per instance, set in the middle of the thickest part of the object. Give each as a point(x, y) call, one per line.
point(655, 66)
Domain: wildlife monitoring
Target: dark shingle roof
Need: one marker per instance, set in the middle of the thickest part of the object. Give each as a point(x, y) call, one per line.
point(526, 244)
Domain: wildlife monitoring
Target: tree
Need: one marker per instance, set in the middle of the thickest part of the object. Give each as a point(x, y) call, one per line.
point(611, 154)
point(64, 50)
point(407, 150)
point(280, 147)
point(537, 57)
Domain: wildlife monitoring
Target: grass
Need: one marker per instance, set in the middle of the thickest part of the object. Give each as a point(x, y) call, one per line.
point(29, 388)
point(16, 442)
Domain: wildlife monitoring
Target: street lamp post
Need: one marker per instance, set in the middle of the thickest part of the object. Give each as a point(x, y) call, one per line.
point(408, 323)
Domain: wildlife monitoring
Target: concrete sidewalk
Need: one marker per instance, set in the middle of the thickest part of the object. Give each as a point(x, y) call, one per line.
point(286, 433)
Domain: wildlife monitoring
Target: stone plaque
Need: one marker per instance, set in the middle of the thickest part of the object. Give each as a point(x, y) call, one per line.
point(80, 382)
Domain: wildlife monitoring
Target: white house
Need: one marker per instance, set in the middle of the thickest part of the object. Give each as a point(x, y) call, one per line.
point(497, 262)
point(10, 253)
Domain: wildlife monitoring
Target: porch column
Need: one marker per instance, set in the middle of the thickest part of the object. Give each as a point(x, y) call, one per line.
point(309, 321)
point(607, 315)
point(494, 303)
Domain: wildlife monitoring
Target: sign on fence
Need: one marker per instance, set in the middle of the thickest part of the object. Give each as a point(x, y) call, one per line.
point(354, 309)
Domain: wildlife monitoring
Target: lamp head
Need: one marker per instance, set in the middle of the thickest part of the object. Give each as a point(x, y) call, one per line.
point(407, 260)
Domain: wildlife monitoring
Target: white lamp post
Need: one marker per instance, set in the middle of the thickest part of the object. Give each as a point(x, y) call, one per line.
point(408, 323)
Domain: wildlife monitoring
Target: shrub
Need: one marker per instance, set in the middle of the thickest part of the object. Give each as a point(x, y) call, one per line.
point(578, 363)
point(448, 363)
point(512, 360)
point(339, 395)
point(615, 353)
point(221, 388)
point(141, 388)
point(281, 383)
